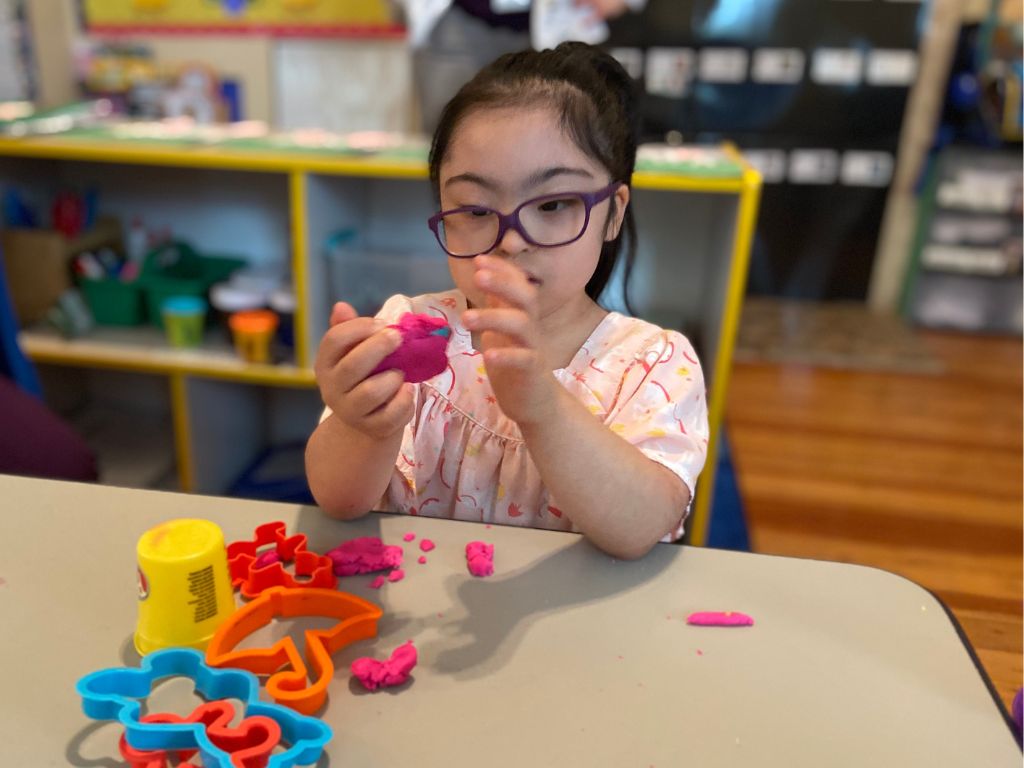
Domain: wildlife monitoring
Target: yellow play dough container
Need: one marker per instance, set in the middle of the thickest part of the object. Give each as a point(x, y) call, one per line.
point(184, 585)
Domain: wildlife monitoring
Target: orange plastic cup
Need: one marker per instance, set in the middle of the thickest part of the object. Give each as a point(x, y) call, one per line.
point(252, 331)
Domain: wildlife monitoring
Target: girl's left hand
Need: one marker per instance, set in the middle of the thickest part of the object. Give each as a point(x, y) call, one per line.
point(511, 340)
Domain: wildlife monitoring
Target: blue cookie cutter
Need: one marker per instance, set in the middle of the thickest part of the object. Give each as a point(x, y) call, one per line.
point(113, 694)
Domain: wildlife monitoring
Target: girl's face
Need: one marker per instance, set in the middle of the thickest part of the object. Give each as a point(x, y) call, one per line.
point(499, 158)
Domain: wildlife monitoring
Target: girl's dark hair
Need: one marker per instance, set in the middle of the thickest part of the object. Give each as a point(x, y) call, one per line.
point(596, 101)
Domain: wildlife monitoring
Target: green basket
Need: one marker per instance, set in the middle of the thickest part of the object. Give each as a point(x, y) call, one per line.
point(176, 269)
point(113, 302)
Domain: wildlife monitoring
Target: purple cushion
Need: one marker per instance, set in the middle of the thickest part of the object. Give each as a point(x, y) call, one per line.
point(36, 442)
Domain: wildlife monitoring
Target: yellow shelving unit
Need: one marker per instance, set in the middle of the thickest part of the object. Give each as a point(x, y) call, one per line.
point(696, 231)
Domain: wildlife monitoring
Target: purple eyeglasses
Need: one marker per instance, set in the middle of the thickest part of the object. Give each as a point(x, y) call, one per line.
point(547, 221)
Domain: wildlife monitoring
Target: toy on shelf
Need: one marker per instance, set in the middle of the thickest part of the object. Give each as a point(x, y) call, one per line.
point(252, 332)
point(184, 318)
point(293, 682)
point(116, 694)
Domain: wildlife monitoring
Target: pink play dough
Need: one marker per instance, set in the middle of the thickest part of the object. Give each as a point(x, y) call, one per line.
point(409, 536)
point(267, 558)
point(396, 575)
point(395, 670)
point(364, 555)
point(719, 619)
point(421, 355)
point(377, 583)
point(422, 559)
point(426, 545)
point(480, 558)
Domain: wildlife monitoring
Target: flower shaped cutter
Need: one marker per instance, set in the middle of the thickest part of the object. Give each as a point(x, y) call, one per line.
point(252, 576)
point(114, 694)
point(288, 683)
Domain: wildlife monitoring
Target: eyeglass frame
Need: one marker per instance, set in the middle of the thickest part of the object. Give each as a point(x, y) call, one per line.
point(507, 221)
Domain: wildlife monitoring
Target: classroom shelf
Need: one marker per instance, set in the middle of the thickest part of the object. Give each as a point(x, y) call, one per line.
point(145, 350)
point(280, 206)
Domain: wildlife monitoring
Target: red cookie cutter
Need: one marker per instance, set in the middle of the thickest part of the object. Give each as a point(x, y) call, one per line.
point(252, 578)
point(249, 744)
point(289, 682)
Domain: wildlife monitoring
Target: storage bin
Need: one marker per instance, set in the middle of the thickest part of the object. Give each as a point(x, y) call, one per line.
point(176, 269)
point(113, 302)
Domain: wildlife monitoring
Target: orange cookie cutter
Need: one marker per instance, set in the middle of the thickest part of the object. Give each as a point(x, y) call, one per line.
point(252, 579)
point(289, 682)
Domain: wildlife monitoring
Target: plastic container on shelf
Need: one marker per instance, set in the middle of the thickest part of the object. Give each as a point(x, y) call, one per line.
point(226, 299)
point(264, 279)
point(365, 276)
point(176, 269)
point(184, 318)
point(253, 332)
point(113, 301)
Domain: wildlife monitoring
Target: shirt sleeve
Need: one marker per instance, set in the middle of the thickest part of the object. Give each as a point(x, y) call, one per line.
point(663, 409)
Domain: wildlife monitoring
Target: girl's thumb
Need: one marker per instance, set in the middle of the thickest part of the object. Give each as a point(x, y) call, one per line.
point(342, 312)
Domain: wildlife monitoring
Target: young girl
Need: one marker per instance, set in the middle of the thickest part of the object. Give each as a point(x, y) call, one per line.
point(553, 412)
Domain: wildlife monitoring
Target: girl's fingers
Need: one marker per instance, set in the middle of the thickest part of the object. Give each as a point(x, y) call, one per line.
point(373, 393)
point(360, 361)
point(510, 359)
point(342, 312)
point(394, 414)
point(513, 323)
point(341, 338)
point(506, 282)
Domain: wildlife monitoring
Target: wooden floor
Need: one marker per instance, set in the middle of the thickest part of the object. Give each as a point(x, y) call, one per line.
point(920, 475)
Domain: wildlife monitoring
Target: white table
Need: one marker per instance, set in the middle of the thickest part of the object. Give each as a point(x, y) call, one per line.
point(564, 657)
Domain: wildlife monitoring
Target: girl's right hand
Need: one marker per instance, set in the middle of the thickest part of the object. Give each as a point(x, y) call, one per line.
point(377, 406)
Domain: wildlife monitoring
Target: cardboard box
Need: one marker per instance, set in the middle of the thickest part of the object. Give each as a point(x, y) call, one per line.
point(38, 264)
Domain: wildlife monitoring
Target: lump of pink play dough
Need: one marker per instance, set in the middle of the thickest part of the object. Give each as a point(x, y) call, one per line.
point(267, 558)
point(396, 575)
point(395, 670)
point(720, 619)
point(426, 545)
point(480, 558)
point(409, 536)
point(422, 560)
point(364, 555)
point(422, 354)
point(378, 582)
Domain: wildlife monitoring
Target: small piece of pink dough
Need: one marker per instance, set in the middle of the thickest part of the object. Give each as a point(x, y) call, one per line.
point(266, 558)
point(480, 558)
point(396, 575)
point(422, 560)
point(364, 555)
point(409, 536)
point(377, 583)
point(719, 619)
point(395, 670)
point(426, 545)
